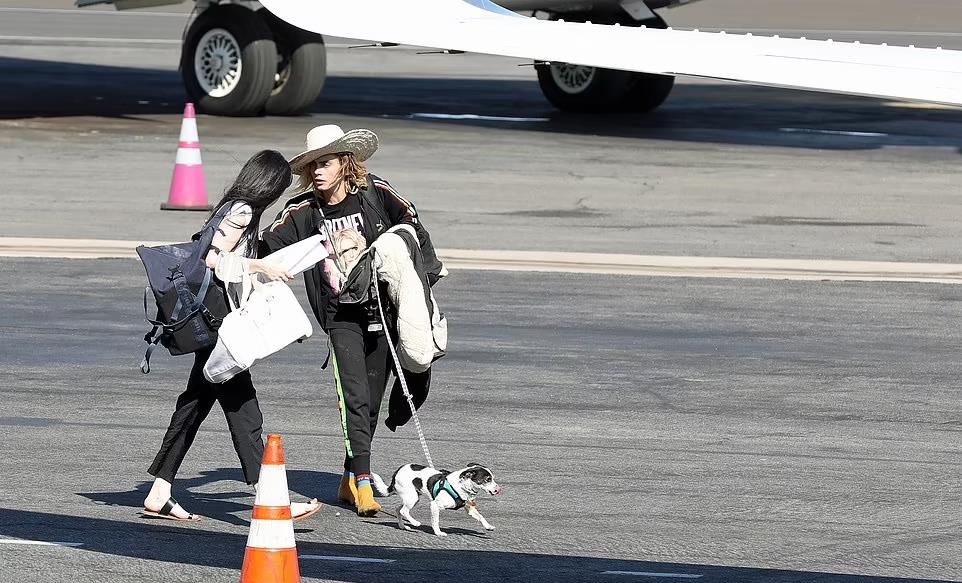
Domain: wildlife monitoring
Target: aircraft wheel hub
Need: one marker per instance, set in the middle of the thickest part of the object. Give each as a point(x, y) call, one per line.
point(217, 62)
point(572, 79)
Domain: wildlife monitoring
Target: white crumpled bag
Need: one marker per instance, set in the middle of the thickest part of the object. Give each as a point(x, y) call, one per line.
point(422, 336)
point(270, 319)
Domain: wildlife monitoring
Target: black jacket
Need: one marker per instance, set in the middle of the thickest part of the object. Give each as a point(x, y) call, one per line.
point(382, 208)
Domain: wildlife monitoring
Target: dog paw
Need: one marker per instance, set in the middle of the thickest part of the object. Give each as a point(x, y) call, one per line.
point(407, 528)
point(415, 523)
point(439, 533)
point(489, 527)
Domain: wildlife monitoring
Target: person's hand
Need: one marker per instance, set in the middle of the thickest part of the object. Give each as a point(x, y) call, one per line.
point(270, 271)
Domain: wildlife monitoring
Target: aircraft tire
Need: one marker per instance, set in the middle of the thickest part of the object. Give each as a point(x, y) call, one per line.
point(240, 38)
point(595, 90)
point(648, 92)
point(589, 89)
point(301, 68)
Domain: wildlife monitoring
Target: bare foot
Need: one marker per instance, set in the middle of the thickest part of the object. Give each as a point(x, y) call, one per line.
point(168, 508)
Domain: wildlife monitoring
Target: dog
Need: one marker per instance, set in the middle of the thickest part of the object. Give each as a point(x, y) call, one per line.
point(447, 491)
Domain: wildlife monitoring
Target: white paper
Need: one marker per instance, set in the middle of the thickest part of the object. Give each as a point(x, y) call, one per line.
point(300, 256)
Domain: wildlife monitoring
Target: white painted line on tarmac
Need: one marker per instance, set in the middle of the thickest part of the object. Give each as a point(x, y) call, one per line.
point(474, 117)
point(833, 132)
point(344, 559)
point(39, 543)
point(588, 263)
point(651, 574)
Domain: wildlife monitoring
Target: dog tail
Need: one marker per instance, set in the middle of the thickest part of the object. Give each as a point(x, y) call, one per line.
point(394, 480)
point(379, 485)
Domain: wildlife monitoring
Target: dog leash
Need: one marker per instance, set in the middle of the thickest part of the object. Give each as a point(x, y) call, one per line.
point(397, 367)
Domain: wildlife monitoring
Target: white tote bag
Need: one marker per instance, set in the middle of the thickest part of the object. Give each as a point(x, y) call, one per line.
point(269, 319)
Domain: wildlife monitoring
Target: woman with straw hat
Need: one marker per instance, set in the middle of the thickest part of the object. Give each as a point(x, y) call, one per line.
point(341, 200)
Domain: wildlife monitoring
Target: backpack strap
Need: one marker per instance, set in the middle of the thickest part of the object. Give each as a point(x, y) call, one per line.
point(152, 338)
point(373, 200)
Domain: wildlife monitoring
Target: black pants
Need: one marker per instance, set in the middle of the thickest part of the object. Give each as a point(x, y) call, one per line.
point(239, 402)
point(360, 362)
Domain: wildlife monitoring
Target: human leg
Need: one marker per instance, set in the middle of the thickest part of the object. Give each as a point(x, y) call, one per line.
point(376, 362)
point(377, 359)
point(238, 399)
point(192, 408)
point(354, 401)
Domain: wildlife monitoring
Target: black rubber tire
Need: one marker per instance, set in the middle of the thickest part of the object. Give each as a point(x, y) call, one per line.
point(301, 67)
point(258, 61)
point(610, 90)
point(647, 92)
point(605, 93)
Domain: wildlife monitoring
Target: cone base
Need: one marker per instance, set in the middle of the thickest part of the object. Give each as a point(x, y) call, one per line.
point(270, 566)
point(176, 207)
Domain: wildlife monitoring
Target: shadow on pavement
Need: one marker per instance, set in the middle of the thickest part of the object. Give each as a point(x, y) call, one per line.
point(232, 507)
point(700, 113)
point(191, 545)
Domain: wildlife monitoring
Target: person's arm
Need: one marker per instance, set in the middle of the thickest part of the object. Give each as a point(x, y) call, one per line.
point(230, 266)
point(399, 209)
point(281, 233)
point(402, 211)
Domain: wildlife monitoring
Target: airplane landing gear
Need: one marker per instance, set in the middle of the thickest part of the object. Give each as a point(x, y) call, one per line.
point(301, 68)
point(228, 61)
point(591, 89)
point(241, 62)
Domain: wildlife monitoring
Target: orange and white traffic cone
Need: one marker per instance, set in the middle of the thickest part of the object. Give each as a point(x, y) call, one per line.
point(187, 190)
point(271, 555)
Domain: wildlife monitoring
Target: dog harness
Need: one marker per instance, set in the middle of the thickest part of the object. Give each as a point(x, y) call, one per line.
point(443, 485)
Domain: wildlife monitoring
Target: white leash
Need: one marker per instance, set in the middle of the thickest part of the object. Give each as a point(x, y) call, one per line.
point(397, 367)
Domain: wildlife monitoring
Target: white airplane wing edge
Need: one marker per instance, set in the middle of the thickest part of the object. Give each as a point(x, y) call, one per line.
point(479, 26)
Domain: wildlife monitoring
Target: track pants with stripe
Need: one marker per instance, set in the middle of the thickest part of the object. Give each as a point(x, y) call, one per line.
point(238, 400)
point(361, 364)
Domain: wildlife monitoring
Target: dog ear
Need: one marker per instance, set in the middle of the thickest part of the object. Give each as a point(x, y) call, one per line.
point(477, 474)
point(474, 465)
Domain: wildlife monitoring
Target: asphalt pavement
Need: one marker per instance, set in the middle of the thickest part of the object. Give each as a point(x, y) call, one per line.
point(727, 429)
point(644, 428)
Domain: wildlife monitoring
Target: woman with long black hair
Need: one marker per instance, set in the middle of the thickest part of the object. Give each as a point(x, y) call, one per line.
point(261, 181)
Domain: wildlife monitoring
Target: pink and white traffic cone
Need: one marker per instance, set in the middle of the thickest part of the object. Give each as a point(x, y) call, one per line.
point(187, 190)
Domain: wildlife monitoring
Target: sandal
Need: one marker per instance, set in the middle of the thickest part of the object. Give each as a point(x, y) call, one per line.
point(308, 512)
point(165, 512)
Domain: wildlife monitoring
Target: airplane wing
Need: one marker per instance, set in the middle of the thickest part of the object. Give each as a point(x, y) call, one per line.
point(480, 26)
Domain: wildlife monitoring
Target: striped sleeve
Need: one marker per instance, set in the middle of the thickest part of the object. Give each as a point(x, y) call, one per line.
point(284, 217)
point(283, 232)
point(399, 209)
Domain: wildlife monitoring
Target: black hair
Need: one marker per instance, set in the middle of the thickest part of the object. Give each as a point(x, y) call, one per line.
point(261, 181)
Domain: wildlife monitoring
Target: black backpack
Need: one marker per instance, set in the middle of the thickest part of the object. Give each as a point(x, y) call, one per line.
point(191, 304)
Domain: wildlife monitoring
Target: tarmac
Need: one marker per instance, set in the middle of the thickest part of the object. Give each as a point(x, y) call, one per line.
point(646, 426)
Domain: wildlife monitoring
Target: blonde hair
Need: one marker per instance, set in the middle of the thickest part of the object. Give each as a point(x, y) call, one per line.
point(353, 171)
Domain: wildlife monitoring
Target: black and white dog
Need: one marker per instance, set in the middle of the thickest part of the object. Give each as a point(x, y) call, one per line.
point(447, 490)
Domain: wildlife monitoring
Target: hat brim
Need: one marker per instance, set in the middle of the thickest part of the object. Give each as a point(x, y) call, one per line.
point(362, 143)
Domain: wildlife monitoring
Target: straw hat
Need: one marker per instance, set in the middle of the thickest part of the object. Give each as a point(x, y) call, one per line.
point(331, 139)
